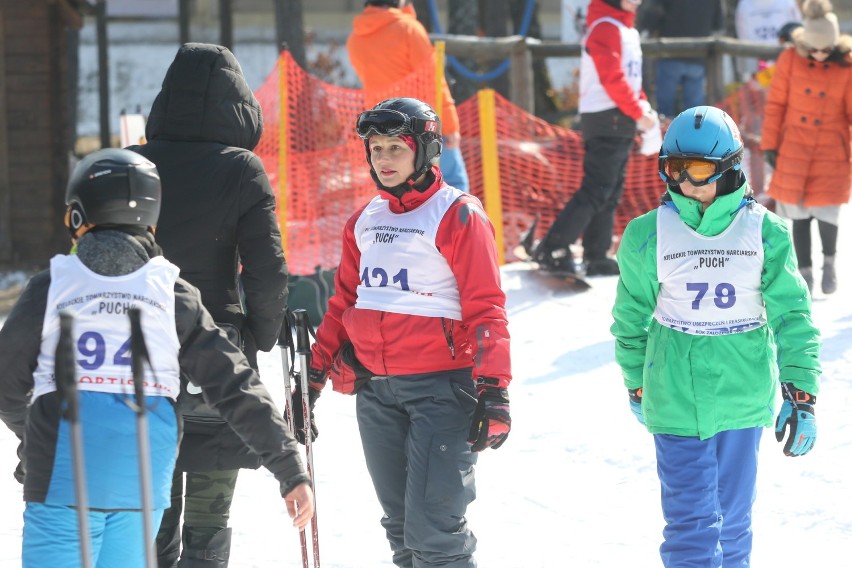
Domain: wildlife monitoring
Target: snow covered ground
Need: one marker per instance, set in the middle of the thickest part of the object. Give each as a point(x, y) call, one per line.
point(575, 485)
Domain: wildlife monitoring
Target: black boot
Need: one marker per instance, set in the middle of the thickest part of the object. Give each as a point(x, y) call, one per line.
point(215, 555)
point(602, 267)
point(559, 262)
point(528, 243)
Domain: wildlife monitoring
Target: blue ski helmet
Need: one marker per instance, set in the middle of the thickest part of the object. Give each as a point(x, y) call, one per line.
point(703, 133)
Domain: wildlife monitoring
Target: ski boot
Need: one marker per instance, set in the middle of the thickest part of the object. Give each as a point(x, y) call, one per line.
point(559, 262)
point(214, 555)
point(602, 267)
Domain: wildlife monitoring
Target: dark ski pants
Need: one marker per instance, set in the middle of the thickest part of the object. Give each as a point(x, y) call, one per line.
point(708, 489)
point(414, 432)
point(591, 211)
point(206, 507)
point(52, 537)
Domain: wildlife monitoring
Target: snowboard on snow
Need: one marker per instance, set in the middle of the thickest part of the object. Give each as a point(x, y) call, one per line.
point(552, 279)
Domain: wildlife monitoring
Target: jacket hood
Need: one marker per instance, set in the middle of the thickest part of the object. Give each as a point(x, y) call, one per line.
point(374, 18)
point(205, 98)
point(716, 218)
point(599, 9)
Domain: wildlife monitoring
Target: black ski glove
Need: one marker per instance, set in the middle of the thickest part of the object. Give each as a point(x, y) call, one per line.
point(347, 373)
point(770, 157)
point(298, 414)
point(491, 420)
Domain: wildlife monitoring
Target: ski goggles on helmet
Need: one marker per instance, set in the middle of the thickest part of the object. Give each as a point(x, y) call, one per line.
point(386, 122)
point(698, 169)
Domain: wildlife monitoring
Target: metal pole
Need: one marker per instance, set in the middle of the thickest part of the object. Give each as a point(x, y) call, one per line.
point(285, 342)
point(303, 348)
point(66, 385)
point(139, 355)
point(226, 24)
point(103, 74)
point(183, 21)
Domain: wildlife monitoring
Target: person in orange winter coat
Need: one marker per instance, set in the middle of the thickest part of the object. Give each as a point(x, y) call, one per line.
point(806, 135)
point(388, 44)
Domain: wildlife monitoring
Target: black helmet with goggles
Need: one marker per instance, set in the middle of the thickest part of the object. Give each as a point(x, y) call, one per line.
point(404, 117)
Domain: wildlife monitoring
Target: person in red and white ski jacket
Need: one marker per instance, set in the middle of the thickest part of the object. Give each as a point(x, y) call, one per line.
point(417, 327)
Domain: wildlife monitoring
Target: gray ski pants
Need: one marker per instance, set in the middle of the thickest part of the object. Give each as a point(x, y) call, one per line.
point(414, 432)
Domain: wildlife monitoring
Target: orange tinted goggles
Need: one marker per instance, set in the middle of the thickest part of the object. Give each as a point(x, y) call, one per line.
point(696, 170)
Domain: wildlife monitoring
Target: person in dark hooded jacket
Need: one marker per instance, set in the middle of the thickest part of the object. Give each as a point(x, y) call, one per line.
point(218, 225)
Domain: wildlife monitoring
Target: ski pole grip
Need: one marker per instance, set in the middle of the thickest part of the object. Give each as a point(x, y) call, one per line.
point(138, 354)
point(66, 376)
point(285, 337)
point(303, 324)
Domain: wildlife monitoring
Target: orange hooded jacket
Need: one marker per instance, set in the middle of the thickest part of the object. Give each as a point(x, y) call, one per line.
point(387, 45)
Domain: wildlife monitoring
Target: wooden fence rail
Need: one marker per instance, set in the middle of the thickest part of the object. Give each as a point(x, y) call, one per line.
point(522, 50)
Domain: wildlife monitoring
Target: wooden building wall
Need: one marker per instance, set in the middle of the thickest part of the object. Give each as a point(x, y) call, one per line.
point(36, 109)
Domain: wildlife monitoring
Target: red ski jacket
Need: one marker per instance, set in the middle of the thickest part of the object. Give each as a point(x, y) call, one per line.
point(389, 343)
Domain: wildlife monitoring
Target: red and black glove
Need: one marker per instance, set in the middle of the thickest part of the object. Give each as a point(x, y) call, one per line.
point(491, 419)
point(347, 373)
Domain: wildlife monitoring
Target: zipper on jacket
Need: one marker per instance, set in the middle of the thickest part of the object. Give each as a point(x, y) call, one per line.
point(448, 335)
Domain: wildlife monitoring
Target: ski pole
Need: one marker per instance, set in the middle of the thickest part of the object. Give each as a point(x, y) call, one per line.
point(285, 342)
point(139, 355)
point(66, 385)
point(303, 348)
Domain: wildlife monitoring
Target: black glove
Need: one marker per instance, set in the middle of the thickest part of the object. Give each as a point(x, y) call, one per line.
point(21, 470)
point(491, 420)
point(298, 414)
point(770, 157)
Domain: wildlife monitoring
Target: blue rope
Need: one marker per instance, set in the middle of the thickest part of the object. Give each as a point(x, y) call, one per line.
point(459, 67)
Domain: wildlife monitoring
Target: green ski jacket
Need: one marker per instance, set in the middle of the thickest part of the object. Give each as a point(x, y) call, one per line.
point(697, 385)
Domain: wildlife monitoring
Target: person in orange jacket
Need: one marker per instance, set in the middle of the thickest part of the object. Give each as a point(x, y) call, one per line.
point(806, 136)
point(388, 44)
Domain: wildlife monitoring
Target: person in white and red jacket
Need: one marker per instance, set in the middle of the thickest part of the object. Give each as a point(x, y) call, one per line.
point(417, 327)
point(612, 104)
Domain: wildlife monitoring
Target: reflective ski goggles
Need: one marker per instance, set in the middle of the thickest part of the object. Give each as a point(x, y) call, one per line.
point(387, 122)
point(699, 170)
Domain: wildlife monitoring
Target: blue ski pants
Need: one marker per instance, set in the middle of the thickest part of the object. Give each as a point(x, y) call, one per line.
point(708, 489)
point(52, 537)
point(414, 432)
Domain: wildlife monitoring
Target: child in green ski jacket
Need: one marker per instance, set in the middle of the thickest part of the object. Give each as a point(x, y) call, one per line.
point(711, 315)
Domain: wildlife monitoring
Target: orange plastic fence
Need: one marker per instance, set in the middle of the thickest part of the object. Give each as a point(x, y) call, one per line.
point(327, 178)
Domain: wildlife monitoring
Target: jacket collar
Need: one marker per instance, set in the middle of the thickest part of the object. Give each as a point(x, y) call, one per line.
point(413, 199)
point(716, 218)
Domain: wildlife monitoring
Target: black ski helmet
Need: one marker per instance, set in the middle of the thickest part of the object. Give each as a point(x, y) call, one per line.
point(112, 187)
point(404, 115)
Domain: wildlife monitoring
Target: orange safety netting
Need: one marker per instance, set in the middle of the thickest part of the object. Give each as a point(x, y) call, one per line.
point(326, 177)
point(541, 165)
